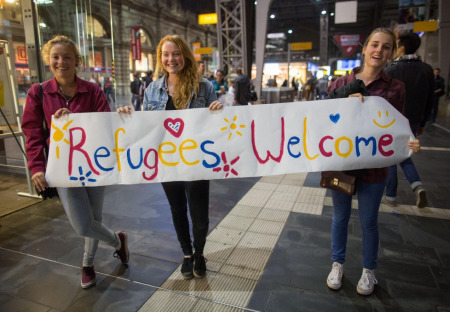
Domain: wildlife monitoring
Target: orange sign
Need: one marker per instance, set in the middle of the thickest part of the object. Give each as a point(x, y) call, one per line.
point(301, 46)
point(203, 51)
point(196, 46)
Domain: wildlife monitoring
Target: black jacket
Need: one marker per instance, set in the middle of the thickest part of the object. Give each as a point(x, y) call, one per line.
point(418, 78)
point(242, 89)
point(355, 86)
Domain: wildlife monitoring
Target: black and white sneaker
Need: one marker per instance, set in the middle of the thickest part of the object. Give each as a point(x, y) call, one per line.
point(187, 268)
point(199, 266)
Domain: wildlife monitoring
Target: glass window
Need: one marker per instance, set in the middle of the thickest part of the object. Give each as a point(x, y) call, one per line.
point(95, 27)
point(10, 12)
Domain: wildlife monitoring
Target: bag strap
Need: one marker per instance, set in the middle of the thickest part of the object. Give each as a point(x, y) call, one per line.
point(41, 89)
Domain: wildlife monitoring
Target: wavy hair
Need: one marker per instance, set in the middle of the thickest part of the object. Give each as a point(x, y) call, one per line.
point(60, 39)
point(188, 78)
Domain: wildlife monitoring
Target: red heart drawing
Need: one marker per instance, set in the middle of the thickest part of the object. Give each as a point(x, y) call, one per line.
point(174, 126)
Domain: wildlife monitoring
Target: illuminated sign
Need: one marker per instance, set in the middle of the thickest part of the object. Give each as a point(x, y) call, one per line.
point(203, 50)
point(425, 26)
point(204, 19)
point(276, 36)
point(347, 64)
point(301, 46)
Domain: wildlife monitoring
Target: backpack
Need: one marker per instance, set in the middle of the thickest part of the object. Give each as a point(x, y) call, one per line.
point(134, 86)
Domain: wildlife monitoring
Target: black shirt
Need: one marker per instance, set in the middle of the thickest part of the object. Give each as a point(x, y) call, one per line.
point(170, 105)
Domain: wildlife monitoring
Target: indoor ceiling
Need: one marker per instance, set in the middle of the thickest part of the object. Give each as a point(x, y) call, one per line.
point(302, 17)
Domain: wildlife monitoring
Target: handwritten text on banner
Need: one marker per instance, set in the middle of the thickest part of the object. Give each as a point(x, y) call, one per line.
point(92, 149)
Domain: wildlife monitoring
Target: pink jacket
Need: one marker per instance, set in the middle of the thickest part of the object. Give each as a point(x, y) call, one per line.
point(88, 98)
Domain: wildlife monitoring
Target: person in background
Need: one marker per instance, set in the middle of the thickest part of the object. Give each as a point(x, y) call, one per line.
point(148, 79)
point(308, 92)
point(100, 81)
point(183, 87)
point(295, 86)
point(219, 84)
point(109, 92)
point(228, 98)
point(439, 90)
point(322, 86)
point(378, 49)
point(419, 83)
point(135, 88)
point(242, 86)
point(67, 94)
point(201, 68)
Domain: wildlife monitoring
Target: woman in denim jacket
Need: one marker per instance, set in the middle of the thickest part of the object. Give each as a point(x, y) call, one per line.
point(181, 87)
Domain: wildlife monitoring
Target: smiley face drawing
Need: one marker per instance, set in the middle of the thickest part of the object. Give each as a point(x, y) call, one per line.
point(384, 126)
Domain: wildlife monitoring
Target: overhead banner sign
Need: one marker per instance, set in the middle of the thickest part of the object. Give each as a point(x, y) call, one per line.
point(207, 50)
point(92, 149)
point(205, 19)
point(348, 43)
point(196, 46)
point(136, 43)
point(297, 46)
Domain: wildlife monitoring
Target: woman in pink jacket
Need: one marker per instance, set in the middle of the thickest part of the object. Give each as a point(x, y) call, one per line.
point(65, 94)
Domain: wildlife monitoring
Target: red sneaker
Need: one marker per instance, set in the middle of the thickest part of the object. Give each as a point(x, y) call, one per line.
point(122, 253)
point(88, 277)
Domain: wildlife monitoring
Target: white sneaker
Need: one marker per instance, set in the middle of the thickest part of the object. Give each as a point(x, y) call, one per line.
point(334, 280)
point(421, 197)
point(367, 282)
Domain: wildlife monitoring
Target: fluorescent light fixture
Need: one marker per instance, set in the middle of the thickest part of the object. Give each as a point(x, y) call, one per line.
point(276, 36)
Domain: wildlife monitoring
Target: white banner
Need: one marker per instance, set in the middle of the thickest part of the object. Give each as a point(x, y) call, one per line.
point(92, 149)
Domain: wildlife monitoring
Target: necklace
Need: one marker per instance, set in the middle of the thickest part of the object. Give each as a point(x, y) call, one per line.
point(67, 95)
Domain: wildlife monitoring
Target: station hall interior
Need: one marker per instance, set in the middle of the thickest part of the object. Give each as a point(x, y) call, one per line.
point(268, 242)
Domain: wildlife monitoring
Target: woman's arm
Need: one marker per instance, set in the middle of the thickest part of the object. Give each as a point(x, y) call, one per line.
point(33, 128)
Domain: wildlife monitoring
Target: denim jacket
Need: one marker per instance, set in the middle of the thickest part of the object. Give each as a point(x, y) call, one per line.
point(156, 96)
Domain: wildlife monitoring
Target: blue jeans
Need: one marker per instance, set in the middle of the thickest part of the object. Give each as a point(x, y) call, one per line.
point(369, 197)
point(84, 207)
point(409, 170)
point(136, 101)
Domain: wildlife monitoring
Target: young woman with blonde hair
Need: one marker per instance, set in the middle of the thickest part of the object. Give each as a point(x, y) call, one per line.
point(67, 94)
point(182, 87)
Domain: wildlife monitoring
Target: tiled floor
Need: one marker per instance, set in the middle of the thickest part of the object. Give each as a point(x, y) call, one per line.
point(268, 248)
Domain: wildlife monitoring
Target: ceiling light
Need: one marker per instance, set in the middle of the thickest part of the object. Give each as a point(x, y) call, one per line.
point(323, 12)
point(272, 16)
point(332, 14)
point(290, 31)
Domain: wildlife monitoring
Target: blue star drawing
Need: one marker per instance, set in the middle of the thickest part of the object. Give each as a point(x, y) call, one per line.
point(82, 178)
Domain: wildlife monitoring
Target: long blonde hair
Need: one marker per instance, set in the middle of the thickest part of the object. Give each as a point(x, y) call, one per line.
point(188, 79)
